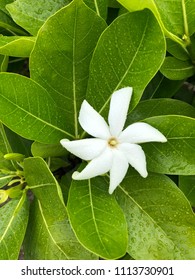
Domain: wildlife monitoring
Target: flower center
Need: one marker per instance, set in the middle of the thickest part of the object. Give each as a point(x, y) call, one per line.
point(112, 142)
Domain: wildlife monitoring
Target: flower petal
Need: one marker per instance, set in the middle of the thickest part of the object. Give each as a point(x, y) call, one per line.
point(92, 122)
point(86, 149)
point(118, 170)
point(136, 157)
point(141, 133)
point(119, 106)
point(96, 167)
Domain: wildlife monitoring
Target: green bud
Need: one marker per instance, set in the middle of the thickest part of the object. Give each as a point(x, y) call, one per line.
point(14, 156)
point(3, 196)
point(14, 181)
point(15, 191)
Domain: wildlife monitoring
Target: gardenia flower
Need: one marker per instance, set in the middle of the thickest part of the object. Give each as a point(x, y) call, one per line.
point(113, 148)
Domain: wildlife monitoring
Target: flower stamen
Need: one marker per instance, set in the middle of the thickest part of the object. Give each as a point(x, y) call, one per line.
point(112, 142)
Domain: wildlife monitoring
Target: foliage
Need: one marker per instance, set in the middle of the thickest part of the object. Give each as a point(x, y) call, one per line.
point(53, 55)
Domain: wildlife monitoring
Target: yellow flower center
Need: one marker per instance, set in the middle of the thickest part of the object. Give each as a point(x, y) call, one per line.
point(112, 142)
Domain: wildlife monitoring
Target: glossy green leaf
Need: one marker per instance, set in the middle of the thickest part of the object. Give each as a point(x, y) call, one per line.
point(17, 46)
point(187, 186)
point(49, 235)
point(175, 17)
point(31, 14)
point(158, 107)
point(125, 56)
point(177, 155)
point(99, 6)
point(175, 69)
point(44, 150)
point(7, 23)
point(161, 223)
point(96, 218)
point(68, 39)
point(27, 109)
point(13, 222)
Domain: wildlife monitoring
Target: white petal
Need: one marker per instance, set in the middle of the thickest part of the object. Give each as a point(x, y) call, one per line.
point(86, 149)
point(96, 167)
point(141, 133)
point(118, 170)
point(92, 122)
point(136, 157)
point(119, 106)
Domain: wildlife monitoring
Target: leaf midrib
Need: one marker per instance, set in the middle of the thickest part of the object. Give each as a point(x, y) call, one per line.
point(12, 218)
point(97, 8)
point(74, 75)
point(49, 233)
point(94, 218)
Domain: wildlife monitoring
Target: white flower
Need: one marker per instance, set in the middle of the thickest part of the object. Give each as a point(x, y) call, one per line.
point(113, 148)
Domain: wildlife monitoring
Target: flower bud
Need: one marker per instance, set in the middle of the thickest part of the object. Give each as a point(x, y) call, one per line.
point(14, 156)
point(3, 196)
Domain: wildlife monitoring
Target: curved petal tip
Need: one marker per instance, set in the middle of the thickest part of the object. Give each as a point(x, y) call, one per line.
point(144, 174)
point(63, 142)
point(75, 175)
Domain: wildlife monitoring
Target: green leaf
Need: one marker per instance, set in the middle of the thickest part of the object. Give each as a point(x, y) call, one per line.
point(31, 14)
point(44, 150)
point(18, 144)
point(175, 17)
point(68, 38)
point(65, 183)
point(125, 56)
point(156, 107)
point(99, 6)
point(168, 88)
point(187, 186)
point(5, 148)
point(3, 3)
point(175, 69)
point(27, 109)
point(96, 218)
point(7, 23)
point(4, 180)
point(176, 50)
point(177, 155)
point(17, 46)
point(160, 220)
point(113, 4)
point(13, 222)
point(49, 235)
point(56, 163)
